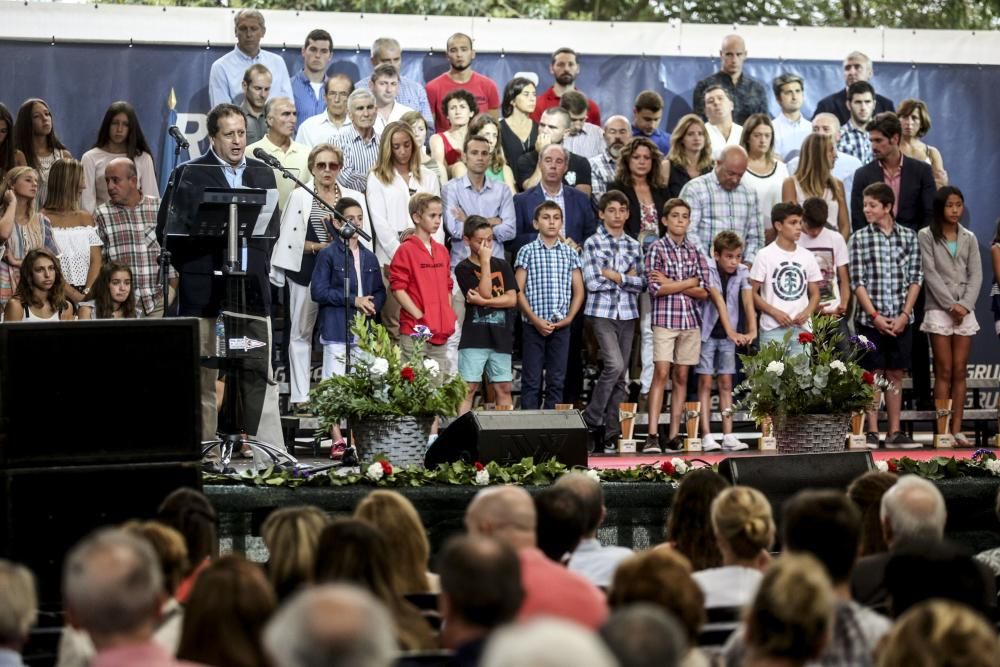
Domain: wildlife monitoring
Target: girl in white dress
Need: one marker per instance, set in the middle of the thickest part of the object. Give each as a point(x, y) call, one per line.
point(40, 293)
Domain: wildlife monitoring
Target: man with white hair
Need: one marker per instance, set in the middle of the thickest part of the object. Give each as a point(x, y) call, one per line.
point(333, 625)
point(507, 514)
point(594, 561)
point(844, 164)
point(112, 584)
point(386, 51)
point(18, 611)
point(546, 642)
point(226, 76)
point(857, 67)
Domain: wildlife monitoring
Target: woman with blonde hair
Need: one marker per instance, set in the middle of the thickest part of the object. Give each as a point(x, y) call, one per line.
point(73, 229)
point(940, 633)
point(765, 173)
point(22, 226)
point(397, 518)
point(418, 124)
point(291, 535)
point(814, 178)
point(690, 153)
point(915, 120)
point(744, 531)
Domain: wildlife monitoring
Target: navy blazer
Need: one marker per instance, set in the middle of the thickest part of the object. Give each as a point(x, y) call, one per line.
point(200, 291)
point(916, 193)
point(327, 287)
point(634, 224)
point(579, 225)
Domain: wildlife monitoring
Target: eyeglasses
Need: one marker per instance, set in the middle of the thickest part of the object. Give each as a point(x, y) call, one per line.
point(326, 166)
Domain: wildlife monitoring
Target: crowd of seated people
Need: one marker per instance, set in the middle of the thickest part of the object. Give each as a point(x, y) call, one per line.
point(662, 246)
point(528, 583)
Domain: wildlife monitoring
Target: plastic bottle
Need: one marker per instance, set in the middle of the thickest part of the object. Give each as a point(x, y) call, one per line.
point(220, 336)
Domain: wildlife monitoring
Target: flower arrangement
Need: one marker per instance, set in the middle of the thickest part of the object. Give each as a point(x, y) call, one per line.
point(381, 383)
point(824, 379)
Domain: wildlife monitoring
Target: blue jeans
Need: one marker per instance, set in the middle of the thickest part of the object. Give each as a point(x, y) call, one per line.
point(778, 335)
point(540, 354)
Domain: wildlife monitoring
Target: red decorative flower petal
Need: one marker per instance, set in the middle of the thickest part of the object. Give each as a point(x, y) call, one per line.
point(667, 467)
point(805, 337)
point(479, 466)
point(868, 377)
point(408, 374)
point(386, 467)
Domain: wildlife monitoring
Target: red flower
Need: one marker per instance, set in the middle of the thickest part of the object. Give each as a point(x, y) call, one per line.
point(479, 466)
point(805, 337)
point(386, 468)
point(892, 466)
point(868, 377)
point(667, 467)
point(408, 374)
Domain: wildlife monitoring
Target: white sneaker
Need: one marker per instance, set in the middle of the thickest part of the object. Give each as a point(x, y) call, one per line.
point(731, 443)
point(710, 444)
point(431, 438)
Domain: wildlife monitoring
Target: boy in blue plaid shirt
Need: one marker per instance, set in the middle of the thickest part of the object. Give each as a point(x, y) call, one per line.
point(677, 278)
point(612, 273)
point(550, 294)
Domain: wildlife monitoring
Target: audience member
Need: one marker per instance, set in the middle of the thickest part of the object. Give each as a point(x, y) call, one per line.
point(676, 278)
point(915, 123)
point(534, 643)
point(866, 493)
point(9, 156)
point(41, 291)
point(352, 551)
point(953, 276)
point(991, 557)
point(640, 177)
point(22, 226)
point(690, 154)
point(720, 201)
point(419, 126)
point(593, 560)
point(583, 137)
point(844, 165)
point(721, 129)
point(560, 524)
point(113, 588)
point(790, 126)
point(111, 296)
point(358, 140)
point(460, 74)
point(18, 611)
point(488, 127)
point(939, 633)
point(72, 229)
point(281, 119)
point(488, 288)
point(397, 519)
point(854, 139)
point(291, 535)
point(925, 570)
point(191, 514)
point(518, 132)
point(886, 275)
point(857, 67)
point(309, 83)
point(727, 312)
point(814, 177)
point(228, 71)
point(321, 127)
point(507, 514)
point(747, 94)
point(830, 252)
point(327, 289)
point(386, 51)
point(384, 84)
point(447, 145)
point(644, 635)
point(550, 295)
point(613, 276)
point(480, 592)
point(306, 230)
point(663, 578)
point(256, 86)
point(119, 136)
point(565, 69)
point(765, 172)
point(36, 142)
point(690, 517)
point(604, 165)
point(552, 128)
point(333, 625)
point(126, 226)
point(647, 112)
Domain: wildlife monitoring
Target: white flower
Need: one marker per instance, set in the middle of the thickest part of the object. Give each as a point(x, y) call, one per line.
point(592, 474)
point(680, 465)
point(993, 465)
point(374, 472)
point(482, 477)
point(838, 366)
point(883, 466)
point(863, 340)
point(775, 367)
point(432, 367)
point(379, 366)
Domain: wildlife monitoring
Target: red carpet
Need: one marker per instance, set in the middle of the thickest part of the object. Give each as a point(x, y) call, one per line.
point(631, 460)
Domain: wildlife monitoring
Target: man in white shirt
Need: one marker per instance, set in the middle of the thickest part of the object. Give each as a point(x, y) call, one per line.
point(844, 165)
point(227, 72)
point(384, 84)
point(790, 127)
point(722, 131)
point(594, 561)
point(281, 117)
point(317, 129)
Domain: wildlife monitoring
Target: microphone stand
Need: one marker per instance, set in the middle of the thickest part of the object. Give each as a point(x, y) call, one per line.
point(164, 257)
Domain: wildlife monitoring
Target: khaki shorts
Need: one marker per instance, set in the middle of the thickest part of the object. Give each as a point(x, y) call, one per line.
point(677, 346)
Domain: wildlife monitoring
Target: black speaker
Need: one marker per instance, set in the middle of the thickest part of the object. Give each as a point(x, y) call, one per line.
point(99, 392)
point(509, 436)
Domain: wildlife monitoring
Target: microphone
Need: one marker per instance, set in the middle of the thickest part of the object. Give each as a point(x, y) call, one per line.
point(267, 158)
point(178, 136)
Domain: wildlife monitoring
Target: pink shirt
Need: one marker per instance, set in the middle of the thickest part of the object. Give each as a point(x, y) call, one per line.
point(149, 654)
point(893, 180)
point(552, 590)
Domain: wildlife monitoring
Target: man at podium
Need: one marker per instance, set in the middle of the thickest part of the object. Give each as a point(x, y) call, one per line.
point(199, 260)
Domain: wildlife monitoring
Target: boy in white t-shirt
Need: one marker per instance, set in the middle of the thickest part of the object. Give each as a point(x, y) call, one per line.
point(830, 250)
point(786, 280)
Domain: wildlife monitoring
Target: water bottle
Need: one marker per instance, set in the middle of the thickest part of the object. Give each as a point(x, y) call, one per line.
point(220, 336)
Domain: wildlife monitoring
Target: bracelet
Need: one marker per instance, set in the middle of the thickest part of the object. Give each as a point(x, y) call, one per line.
point(874, 315)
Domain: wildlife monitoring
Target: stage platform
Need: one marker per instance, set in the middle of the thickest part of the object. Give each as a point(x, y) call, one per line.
point(619, 461)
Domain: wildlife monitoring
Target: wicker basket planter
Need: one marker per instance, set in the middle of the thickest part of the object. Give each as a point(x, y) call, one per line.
point(799, 434)
point(403, 440)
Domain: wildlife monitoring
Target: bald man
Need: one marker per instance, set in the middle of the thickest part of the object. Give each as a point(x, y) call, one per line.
point(844, 164)
point(617, 132)
point(748, 95)
point(507, 514)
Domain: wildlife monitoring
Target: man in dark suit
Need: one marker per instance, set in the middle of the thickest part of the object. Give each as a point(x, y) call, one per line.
point(199, 260)
point(857, 67)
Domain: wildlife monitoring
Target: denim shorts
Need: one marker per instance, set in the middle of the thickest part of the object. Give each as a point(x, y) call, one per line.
point(718, 357)
point(473, 360)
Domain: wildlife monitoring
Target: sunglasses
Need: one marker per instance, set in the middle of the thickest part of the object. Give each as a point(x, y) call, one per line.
point(327, 166)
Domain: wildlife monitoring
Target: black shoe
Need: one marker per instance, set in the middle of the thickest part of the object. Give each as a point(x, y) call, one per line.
point(596, 434)
point(900, 440)
point(350, 457)
point(650, 445)
point(674, 445)
point(871, 440)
